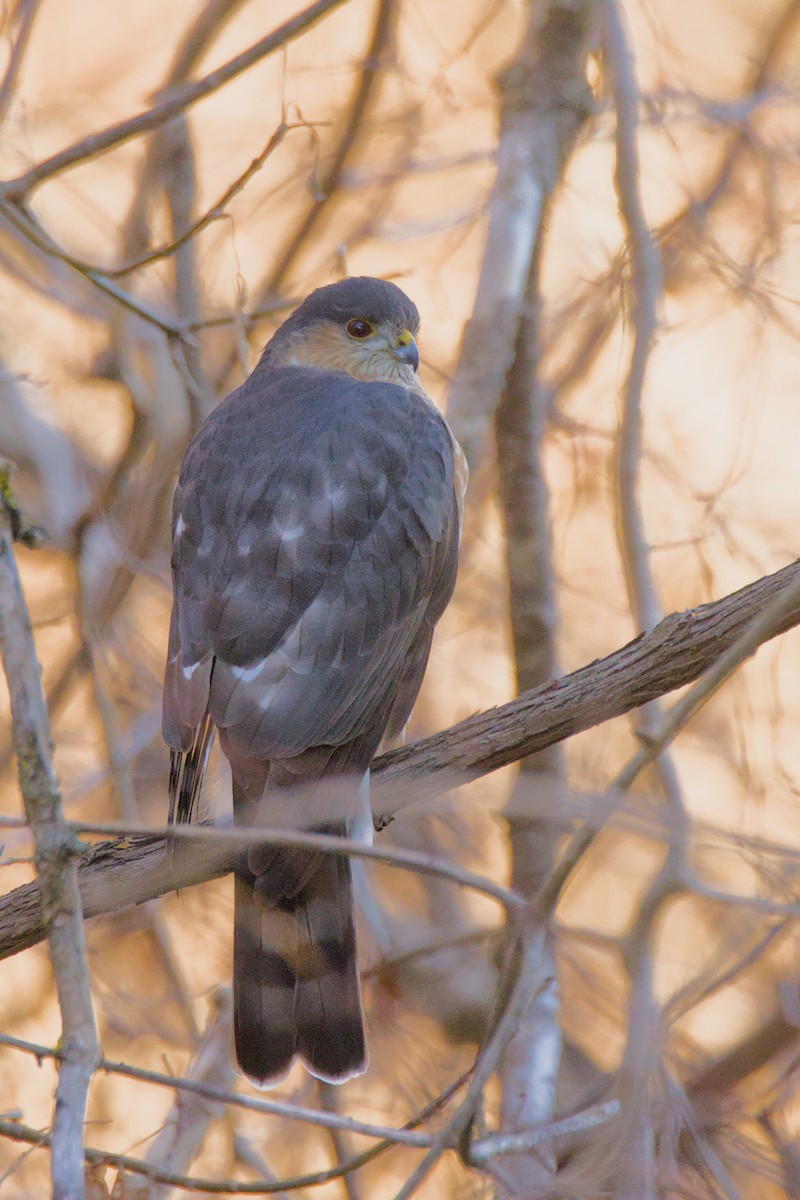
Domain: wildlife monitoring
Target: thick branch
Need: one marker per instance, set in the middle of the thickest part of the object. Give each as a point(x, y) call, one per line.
point(114, 875)
point(677, 652)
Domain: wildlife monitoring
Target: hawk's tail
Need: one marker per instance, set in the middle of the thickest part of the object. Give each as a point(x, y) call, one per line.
point(295, 974)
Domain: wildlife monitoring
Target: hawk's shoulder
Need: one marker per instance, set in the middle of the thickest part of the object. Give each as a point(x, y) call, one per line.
point(282, 406)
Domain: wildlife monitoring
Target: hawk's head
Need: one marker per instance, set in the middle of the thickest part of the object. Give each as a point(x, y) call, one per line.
point(361, 326)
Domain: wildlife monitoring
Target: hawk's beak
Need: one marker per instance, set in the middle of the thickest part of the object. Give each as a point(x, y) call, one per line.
point(406, 349)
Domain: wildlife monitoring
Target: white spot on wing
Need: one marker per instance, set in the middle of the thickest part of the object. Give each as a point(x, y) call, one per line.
point(265, 700)
point(248, 674)
point(207, 543)
point(189, 670)
point(180, 525)
point(292, 533)
point(337, 496)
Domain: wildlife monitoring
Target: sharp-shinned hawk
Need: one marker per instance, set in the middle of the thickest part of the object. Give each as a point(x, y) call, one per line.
point(316, 528)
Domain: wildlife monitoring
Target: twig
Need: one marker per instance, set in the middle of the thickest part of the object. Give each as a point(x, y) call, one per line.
point(246, 1153)
point(647, 286)
point(330, 180)
point(486, 1148)
point(391, 962)
point(25, 12)
point(33, 1137)
point(523, 979)
point(216, 1094)
point(56, 865)
point(711, 981)
point(182, 98)
point(326, 186)
point(214, 213)
point(228, 842)
point(18, 1132)
point(760, 629)
point(27, 225)
point(186, 1125)
point(680, 237)
point(329, 1098)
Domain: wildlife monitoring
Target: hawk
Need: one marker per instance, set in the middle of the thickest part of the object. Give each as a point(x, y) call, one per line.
point(316, 528)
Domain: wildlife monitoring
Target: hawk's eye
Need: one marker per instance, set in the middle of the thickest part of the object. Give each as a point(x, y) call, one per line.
point(359, 329)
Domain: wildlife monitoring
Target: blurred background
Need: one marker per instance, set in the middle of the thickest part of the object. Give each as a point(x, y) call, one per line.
point(137, 288)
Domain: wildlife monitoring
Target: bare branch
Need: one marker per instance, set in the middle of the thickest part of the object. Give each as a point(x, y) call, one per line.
point(19, 1132)
point(530, 1064)
point(25, 14)
point(27, 225)
point(16, 1131)
point(489, 1147)
point(766, 620)
point(140, 867)
point(214, 213)
point(204, 1088)
point(181, 1136)
point(694, 909)
point(677, 652)
point(327, 185)
point(647, 287)
point(635, 1170)
point(545, 102)
point(526, 972)
point(59, 898)
point(182, 98)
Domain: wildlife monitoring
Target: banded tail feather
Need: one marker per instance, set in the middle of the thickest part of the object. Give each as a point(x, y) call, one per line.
point(296, 988)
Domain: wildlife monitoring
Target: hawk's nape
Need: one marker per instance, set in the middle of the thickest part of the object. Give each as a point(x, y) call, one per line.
point(315, 540)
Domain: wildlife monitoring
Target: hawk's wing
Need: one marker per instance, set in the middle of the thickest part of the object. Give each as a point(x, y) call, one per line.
point(315, 543)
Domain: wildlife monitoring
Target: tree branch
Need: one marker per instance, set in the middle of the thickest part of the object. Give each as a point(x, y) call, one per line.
point(678, 651)
point(546, 100)
point(530, 1063)
point(182, 98)
point(115, 875)
point(58, 901)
